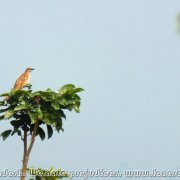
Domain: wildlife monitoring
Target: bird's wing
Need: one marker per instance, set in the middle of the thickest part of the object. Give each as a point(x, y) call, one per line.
point(21, 81)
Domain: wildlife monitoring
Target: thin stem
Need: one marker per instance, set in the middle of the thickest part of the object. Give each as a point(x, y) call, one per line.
point(33, 137)
point(25, 142)
point(27, 150)
point(25, 160)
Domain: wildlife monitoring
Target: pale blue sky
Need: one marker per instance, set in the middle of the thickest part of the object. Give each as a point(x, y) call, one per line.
point(125, 54)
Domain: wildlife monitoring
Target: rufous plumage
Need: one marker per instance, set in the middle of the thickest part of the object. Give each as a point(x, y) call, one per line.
point(22, 81)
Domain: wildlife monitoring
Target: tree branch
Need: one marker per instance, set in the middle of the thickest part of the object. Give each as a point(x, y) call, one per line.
point(27, 150)
point(25, 142)
point(33, 137)
point(25, 158)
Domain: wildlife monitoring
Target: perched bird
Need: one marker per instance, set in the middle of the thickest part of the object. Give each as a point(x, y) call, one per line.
point(22, 81)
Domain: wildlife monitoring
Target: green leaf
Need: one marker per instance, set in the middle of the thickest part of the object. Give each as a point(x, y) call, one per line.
point(62, 114)
point(35, 94)
point(20, 92)
point(19, 133)
point(1, 117)
point(55, 105)
point(4, 94)
point(49, 131)
point(41, 133)
point(66, 88)
point(2, 103)
point(47, 119)
point(5, 134)
point(21, 107)
point(76, 90)
point(8, 114)
point(76, 97)
point(16, 131)
point(39, 113)
point(33, 116)
point(76, 108)
point(17, 123)
point(62, 101)
point(3, 110)
point(49, 90)
point(70, 107)
point(58, 124)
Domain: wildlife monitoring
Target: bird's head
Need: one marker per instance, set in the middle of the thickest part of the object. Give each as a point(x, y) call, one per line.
point(29, 69)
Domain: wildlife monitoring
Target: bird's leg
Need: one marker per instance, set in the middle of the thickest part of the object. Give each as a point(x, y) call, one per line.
point(28, 86)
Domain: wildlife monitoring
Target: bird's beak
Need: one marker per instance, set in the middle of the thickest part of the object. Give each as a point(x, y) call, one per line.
point(32, 69)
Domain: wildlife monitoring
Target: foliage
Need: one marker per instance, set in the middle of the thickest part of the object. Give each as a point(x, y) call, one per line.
point(48, 174)
point(24, 108)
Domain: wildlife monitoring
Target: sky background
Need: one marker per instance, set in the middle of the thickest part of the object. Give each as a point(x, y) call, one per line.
point(126, 56)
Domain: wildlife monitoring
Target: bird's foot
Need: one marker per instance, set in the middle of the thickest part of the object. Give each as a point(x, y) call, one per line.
point(28, 86)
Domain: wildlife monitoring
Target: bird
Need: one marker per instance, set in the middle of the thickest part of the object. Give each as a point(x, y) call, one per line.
point(22, 81)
